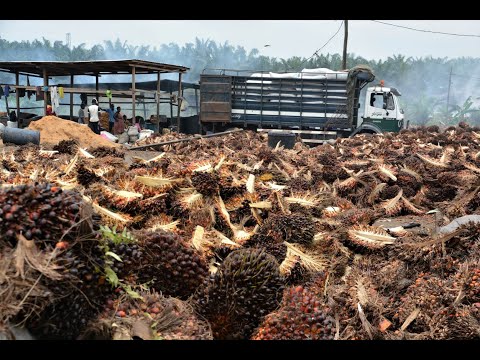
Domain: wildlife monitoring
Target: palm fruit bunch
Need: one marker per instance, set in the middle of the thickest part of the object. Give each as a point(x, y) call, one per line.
point(331, 173)
point(9, 165)
point(41, 212)
point(293, 228)
point(300, 184)
point(266, 154)
point(409, 184)
point(297, 275)
point(77, 298)
point(128, 253)
point(66, 147)
point(357, 216)
point(302, 316)
point(467, 280)
point(276, 248)
point(103, 151)
point(462, 323)
point(173, 268)
point(246, 287)
point(389, 192)
point(86, 177)
point(147, 315)
point(429, 294)
point(111, 198)
point(206, 183)
point(66, 318)
point(158, 165)
point(26, 153)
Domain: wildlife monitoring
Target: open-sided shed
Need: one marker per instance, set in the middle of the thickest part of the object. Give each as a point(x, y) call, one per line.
point(49, 69)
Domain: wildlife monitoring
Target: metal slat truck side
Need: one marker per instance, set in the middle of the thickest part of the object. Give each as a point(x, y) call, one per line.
point(301, 101)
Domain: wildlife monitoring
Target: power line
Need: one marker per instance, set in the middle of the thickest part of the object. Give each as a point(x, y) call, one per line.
point(426, 31)
point(316, 52)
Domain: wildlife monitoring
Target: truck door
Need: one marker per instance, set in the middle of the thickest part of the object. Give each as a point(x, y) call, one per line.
point(383, 111)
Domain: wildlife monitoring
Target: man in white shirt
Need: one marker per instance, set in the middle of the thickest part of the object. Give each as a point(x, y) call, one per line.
point(93, 117)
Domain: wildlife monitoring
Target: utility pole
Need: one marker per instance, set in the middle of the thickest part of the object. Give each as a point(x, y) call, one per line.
point(449, 83)
point(345, 40)
point(68, 40)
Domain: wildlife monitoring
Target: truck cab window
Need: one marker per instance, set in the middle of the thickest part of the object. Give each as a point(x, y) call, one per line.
point(376, 100)
point(390, 102)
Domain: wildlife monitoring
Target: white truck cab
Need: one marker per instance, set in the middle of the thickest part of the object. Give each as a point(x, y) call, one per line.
point(382, 109)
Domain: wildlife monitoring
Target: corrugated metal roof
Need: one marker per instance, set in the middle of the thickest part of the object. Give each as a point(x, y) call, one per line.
point(64, 68)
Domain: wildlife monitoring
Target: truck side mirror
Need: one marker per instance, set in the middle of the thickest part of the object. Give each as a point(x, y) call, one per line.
point(384, 106)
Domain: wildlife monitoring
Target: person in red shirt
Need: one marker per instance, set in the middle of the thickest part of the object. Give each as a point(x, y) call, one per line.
point(50, 110)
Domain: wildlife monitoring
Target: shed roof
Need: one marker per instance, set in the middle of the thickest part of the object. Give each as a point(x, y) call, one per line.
point(65, 68)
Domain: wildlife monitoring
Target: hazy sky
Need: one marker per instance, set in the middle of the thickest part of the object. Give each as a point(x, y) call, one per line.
point(286, 37)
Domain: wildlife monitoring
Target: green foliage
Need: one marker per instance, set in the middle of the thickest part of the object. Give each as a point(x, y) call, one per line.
point(111, 276)
point(125, 237)
point(422, 81)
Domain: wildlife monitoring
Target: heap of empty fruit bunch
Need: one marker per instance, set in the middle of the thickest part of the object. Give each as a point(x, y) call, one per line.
point(250, 240)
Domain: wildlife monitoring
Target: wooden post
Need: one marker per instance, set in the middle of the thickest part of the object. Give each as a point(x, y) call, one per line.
point(158, 103)
point(179, 101)
point(17, 82)
point(345, 39)
point(133, 95)
point(45, 93)
point(448, 93)
point(6, 104)
point(171, 108)
point(71, 97)
point(96, 90)
point(196, 100)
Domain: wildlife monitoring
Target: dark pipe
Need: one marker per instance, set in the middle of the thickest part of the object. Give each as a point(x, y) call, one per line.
point(19, 136)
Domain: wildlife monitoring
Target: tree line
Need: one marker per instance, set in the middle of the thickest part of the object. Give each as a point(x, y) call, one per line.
point(422, 81)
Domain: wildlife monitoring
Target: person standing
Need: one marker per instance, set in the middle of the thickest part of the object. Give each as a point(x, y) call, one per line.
point(119, 126)
point(81, 114)
point(93, 117)
point(111, 117)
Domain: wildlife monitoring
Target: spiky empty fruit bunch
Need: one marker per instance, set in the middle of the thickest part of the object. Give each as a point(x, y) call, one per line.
point(389, 192)
point(86, 177)
point(103, 151)
point(269, 244)
point(297, 275)
point(357, 217)
point(267, 155)
point(205, 183)
point(66, 147)
point(302, 316)
point(294, 228)
point(409, 185)
point(148, 316)
point(173, 268)
point(246, 287)
point(370, 237)
point(41, 212)
point(332, 173)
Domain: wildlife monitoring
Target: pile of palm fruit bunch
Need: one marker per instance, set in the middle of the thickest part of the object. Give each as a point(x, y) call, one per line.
point(227, 238)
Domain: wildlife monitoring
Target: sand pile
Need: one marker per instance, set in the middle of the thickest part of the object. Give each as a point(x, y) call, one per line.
point(54, 129)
